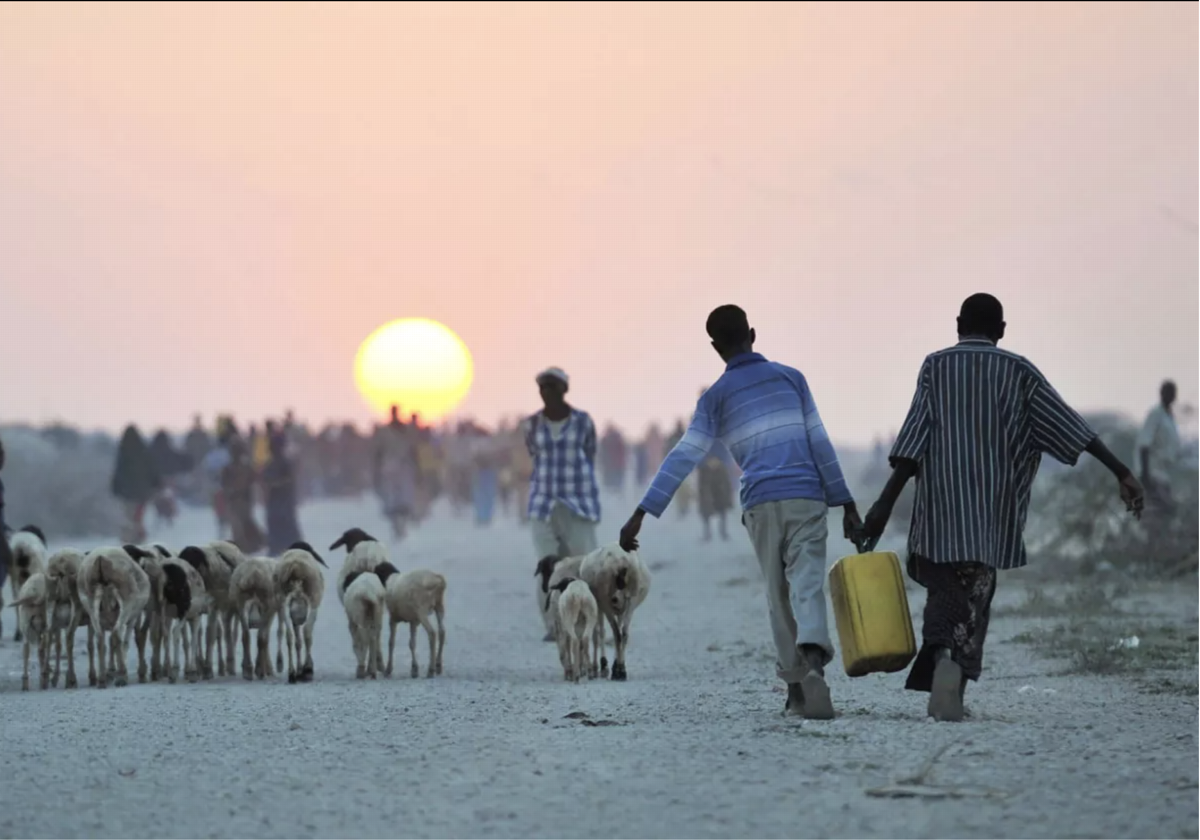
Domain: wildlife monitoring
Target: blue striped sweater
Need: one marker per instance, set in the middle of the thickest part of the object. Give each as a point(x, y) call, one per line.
point(765, 415)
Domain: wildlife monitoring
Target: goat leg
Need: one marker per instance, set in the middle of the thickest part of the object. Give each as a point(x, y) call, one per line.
point(387, 672)
point(432, 634)
point(72, 680)
point(25, 675)
point(156, 645)
point(247, 666)
point(58, 634)
point(306, 674)
point(139, 638)
point(279, 634)
point(91, 646)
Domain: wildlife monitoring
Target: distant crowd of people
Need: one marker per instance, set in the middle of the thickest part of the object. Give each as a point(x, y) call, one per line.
point(407, 464)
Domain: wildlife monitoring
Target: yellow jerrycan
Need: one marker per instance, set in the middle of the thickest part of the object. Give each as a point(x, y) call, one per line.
point(870, 608)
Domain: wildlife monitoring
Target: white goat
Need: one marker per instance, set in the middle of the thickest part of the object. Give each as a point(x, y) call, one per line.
point(28, 547)
point(184, 602)
point(363, 554)
point(411, 598)
point(149, 624)
point(252, 587)
point(620, 582)
point(577, 618)
point(554, 570)
point(215, 562)
point(300, 586)
point(114, 591)
point(31, 604)
point(543, 572)
point(364, 601)
point(65, 610)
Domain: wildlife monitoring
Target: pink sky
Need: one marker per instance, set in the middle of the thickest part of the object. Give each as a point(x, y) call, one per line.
point(207, 207)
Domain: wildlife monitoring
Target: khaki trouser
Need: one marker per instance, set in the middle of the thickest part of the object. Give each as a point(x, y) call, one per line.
point(789, 538)
point(563, 535)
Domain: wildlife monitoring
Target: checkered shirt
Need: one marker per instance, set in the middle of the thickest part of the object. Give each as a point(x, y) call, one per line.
point(564, 470)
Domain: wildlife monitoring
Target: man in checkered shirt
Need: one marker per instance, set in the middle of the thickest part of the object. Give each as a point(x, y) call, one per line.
point(564, 500)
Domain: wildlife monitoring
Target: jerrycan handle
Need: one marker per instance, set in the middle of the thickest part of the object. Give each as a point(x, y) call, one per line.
point(865, 544)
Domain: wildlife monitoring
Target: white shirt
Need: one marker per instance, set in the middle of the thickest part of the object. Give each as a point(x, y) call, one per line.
point(556, 427)
point(1160, 436)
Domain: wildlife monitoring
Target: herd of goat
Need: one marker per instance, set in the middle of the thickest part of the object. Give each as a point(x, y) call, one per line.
point(190, 604)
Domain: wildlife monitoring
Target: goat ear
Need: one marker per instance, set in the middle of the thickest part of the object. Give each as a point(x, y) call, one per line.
point(317, 557)
point(341, 541)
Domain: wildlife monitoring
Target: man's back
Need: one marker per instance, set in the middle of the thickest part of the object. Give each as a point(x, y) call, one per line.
point(987, 403)
point(979, 423)
point(763, 412)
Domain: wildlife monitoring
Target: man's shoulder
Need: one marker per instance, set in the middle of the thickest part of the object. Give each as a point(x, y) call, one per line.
point(793, 375)
point(991, 350)
point(1156, 414)
point(786, 370)
point(738, 376)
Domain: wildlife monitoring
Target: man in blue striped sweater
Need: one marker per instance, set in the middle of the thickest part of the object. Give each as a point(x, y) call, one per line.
point(765, 416)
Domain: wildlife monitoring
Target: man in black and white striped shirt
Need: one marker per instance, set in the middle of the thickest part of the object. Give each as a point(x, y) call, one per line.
point(979, 423)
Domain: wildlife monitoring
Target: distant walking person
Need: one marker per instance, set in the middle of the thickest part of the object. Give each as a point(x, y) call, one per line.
point(214, 465)
point(765, 414)
point(975, 434)
point(395, 469)
point(1156, 454)
point(612, 459)
point(716, 495)
point(279, 491)
point(687, 490)
point(641, 466)
point(136, 481)
point(564, 501)
point(197, 445)
point(485, 475)
point(238, 480)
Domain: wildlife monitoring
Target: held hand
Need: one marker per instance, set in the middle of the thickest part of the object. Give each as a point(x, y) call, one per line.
point(877, 519)
point(1133, 495)
point(851, 522)
point(630, 530)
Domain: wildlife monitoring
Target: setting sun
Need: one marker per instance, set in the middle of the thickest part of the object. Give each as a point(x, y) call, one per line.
point(415, 363)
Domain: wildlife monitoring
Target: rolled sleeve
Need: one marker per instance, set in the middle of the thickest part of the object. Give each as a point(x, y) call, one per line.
point(1057, 429)
point(913, 441)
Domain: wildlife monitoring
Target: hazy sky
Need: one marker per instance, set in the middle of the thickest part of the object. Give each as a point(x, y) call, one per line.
point(207, 207)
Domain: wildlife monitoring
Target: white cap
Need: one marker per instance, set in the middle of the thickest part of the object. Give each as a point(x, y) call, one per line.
point(554, 373)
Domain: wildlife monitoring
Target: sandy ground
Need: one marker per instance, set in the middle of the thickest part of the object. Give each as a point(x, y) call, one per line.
point(693, 745)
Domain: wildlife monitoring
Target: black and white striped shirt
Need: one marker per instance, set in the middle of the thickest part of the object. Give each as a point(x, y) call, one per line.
point(978, 425)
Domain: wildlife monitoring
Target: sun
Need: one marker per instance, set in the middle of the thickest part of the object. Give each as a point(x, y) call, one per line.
point(417, 364)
